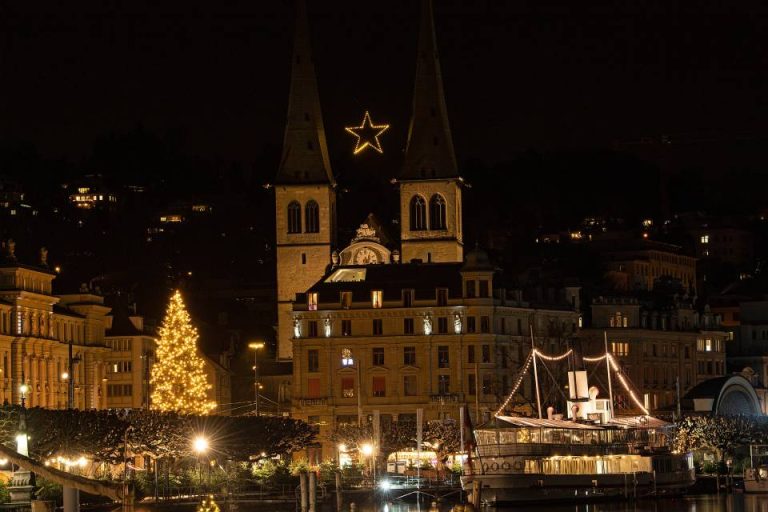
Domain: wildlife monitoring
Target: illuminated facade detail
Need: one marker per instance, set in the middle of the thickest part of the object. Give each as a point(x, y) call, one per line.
point(457, 323)
point(346, 357)
point(178, 379)
point(297, 328)
point(367, 134)
point(427, 325)
point(328, 327)
point(377, 299)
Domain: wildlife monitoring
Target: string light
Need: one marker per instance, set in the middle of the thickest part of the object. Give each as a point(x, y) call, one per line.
point(179, 382)
point(363, 139)
point(536, 353)
point(626, 385)
point(517, 384)
point(553, 358)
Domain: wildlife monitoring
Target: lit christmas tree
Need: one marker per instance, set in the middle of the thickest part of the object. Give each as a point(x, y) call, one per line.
point(178, 379)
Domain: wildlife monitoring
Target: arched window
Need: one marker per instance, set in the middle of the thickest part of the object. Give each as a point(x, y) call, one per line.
point(437, 212)
point(294, 217)
point(418, 214)
point(312, 217)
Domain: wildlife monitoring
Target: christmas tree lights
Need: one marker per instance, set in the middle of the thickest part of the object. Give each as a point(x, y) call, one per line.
point(178, 379)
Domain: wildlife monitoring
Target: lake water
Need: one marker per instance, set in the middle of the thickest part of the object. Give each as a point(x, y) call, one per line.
point(705, 503)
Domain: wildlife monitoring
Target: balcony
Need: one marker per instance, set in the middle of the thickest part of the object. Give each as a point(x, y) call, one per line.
point(445, 398)
point(312, 402)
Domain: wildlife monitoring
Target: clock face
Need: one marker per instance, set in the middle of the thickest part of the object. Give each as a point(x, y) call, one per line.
point(366, 256)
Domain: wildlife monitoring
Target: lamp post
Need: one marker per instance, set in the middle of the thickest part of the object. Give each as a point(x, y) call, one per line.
point(200, 447)
point(367, 450)
point(256, 346)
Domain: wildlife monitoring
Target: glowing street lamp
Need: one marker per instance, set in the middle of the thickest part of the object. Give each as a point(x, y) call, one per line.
point(200, 445)
point(256, 346)
point(367, 449)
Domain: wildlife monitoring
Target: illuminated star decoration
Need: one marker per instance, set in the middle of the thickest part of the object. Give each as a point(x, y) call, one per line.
point(367, 134)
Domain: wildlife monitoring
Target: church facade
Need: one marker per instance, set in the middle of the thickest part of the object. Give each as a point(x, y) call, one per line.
point(377, 329)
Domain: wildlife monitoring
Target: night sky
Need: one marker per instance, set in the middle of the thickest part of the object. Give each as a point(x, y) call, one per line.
point(518, 75)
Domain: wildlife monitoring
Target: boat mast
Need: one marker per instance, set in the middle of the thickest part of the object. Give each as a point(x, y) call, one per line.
point(535, 373)
point(608, 370)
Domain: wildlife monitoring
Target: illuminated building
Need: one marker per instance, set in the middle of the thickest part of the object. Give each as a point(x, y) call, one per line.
point(378, 327)
point(36, 329)
point(656, 347)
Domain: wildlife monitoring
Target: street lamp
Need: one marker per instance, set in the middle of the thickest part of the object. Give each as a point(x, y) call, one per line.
point(367, 450)
point(200, 446)
point(256, 346)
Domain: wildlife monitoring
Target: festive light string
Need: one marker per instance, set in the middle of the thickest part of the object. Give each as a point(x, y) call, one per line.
point(546, 357)
point(178, 378)
point(362, 142)
point(553, 358)
point(626, 385)
point(517, 384)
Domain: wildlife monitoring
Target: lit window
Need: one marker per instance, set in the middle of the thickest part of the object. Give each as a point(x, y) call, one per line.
point(705, 239)
point(620, 348)
point(346, 357)
point(377, 297)
point(312, 301)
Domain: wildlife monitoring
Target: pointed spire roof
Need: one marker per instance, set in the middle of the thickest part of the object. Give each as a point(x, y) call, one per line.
point(305, 152)
point(429, 153)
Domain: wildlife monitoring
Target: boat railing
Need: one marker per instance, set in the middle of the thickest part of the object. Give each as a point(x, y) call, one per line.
point(553, 449)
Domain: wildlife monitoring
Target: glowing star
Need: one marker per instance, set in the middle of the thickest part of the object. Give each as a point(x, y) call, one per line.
point(367, 134)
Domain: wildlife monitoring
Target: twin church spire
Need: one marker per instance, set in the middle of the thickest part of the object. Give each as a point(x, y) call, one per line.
point(429, 152)
point(305, 151)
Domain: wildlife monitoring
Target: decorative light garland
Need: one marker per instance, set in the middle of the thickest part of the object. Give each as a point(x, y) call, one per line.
point(366, 142)
point(553, 358)
point(546, 357)
point(178, 379)
point(517, 384)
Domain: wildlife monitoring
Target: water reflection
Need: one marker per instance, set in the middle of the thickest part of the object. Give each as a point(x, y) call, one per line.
point(722, 503)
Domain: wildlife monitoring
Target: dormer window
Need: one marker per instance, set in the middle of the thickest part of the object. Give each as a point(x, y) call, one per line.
point(377, 299)
point(312, 301)
point(442, 296)
point(470, 289)
point(407, 298)
point(346, 300)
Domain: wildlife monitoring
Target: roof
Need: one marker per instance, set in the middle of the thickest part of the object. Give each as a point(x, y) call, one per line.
point(424, 278)
point(305, 152)
point(61, 310)
point(519, 421)
point(429, 152)
point(620, 421)
point(122, 326)
point(710, 388)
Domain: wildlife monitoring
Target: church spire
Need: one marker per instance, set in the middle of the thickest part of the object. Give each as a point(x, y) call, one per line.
point(305, 152)
point(429, 153)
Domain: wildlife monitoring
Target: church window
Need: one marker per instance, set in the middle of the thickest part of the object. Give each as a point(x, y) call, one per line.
point(294, 217)
point(418, 214)
point(312, 217)
point(437, 212)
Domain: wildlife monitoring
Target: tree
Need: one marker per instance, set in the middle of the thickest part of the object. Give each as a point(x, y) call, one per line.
point(444, 438)
point(720, 434)
point(178, 377)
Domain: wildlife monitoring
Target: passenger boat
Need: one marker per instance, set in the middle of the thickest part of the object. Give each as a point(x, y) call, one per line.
point(590, 455)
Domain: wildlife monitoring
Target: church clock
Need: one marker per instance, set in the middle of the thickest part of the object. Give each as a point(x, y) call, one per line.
point(366, 256)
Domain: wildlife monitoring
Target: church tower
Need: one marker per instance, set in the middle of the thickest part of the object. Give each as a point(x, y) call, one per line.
point(430, 185)
point(305, 195)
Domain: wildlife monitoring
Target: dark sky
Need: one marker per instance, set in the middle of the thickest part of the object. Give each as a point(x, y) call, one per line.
point(518, 74)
